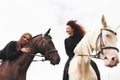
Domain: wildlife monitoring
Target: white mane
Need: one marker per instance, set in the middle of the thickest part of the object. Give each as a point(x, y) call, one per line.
point(80, 65)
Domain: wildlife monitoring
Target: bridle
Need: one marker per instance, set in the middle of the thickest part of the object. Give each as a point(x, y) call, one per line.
point(46, 53)
point(102, 45)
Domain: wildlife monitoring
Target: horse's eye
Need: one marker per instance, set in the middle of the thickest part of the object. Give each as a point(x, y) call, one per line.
point(108, 36)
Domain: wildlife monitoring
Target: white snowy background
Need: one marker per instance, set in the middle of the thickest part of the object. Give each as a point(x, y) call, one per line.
point(37, 16)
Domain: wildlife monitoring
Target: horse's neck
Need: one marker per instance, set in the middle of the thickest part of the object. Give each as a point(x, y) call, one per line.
point(23, 61)
point(85, 47)
point(17, 67)
point(87, 44)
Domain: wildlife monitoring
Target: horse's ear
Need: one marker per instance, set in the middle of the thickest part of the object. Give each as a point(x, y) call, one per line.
point(47, 32)
point(103, 21)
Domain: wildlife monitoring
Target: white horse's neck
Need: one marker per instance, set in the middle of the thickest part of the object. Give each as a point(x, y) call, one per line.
point(87, 44)
point(82, 63)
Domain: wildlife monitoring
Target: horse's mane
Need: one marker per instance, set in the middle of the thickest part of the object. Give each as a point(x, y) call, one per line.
point(36, 36)
point(40, 35)
point(30, 41)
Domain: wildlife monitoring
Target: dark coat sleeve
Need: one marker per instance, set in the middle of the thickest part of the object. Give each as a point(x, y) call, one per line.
point(69, 48)
point(70, 44)
point(66, 47)
point(11, 52)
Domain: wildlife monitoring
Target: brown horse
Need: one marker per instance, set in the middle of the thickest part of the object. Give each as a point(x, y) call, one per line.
point(16, 69)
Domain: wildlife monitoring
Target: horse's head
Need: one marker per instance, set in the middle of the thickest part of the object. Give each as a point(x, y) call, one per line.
point(106, 44)
point(45, 46)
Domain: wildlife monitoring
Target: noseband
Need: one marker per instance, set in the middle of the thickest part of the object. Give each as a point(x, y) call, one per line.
point(49, 52)
point(102, 45)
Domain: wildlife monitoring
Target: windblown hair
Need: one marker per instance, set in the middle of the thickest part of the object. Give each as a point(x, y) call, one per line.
point(78, 29)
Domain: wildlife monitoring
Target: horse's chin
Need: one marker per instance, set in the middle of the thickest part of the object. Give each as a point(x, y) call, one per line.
point(54, 62)
point(112, 65)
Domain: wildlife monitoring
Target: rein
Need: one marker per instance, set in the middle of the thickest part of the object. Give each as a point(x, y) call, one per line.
point(93, 56)
point(102, 45)
point(46, 54)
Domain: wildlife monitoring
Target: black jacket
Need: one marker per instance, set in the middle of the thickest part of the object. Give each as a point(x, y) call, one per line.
point(10, 52)
point(70, 44)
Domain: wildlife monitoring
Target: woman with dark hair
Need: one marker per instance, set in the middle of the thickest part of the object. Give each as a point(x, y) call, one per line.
point(15, 48)
point(76, 33)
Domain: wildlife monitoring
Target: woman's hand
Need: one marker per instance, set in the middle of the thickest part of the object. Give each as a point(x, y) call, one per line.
point(26, 50)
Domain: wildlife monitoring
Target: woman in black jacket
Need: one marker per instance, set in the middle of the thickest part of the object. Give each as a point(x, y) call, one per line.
point(15, 48)
point(76, 33)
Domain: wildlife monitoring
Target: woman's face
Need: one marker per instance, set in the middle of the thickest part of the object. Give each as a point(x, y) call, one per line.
point(24, 39)
point(69, 30)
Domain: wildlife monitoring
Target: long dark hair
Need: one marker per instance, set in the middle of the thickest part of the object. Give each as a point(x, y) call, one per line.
point(78, 29)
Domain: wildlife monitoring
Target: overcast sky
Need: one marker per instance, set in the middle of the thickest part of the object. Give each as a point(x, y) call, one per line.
point(37, 16)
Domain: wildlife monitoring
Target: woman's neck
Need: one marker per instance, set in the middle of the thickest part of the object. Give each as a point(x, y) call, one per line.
point(72, 34)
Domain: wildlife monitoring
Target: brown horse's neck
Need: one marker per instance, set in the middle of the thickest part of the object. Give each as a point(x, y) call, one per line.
point(24, 61)
point(17, 67)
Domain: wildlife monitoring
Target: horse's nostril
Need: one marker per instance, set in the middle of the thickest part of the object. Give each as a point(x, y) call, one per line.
point(113, 59)
point(105, 58)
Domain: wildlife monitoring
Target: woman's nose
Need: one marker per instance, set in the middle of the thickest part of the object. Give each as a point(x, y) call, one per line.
point(26, 40)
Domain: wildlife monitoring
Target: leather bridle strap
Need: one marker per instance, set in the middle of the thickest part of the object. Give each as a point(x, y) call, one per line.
point(50, 51)
point(110, 31)
point(101, 51)
point(102, 46)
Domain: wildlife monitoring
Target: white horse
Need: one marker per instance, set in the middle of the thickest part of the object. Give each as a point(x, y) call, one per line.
point(103, 41)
